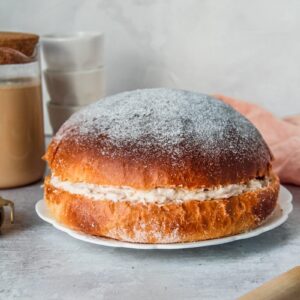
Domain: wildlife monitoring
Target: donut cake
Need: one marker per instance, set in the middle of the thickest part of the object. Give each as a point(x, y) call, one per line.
point(160, 166)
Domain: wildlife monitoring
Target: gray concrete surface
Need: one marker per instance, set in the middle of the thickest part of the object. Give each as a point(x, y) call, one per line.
point(39, 262)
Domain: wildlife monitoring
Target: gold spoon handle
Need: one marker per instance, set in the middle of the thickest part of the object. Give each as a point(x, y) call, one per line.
point(5, 202)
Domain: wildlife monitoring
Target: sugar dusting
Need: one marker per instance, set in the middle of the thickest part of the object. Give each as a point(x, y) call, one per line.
point(174, 121)
point(140, 234)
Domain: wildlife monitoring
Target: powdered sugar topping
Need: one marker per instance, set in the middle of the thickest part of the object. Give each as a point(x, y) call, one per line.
point(175, 121)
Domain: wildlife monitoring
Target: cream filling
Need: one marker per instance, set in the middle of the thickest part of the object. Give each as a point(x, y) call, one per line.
point(157, 195)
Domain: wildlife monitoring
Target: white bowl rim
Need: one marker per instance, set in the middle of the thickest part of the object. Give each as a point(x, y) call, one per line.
point(71, 36)
point(63, 106)
point(74, 72)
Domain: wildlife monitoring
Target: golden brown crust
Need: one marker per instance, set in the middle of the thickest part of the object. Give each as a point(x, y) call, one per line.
point(70, 160)
point(198, 153)
point(168, 223)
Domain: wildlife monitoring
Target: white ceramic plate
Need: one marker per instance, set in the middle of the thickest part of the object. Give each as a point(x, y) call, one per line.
point(279, 216)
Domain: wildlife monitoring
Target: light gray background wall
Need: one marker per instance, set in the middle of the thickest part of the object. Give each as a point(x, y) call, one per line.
point(247, 49)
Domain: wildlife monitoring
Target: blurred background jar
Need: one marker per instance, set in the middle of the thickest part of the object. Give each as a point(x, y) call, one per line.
point(21, 115)
point(74, 75)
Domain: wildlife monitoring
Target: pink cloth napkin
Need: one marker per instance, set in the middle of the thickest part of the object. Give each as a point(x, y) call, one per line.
point(282, 136)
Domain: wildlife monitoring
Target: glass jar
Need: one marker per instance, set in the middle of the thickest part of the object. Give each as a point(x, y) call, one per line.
point(21, 114)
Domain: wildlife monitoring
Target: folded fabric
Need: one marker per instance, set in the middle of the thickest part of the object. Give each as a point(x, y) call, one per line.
point(282, 136)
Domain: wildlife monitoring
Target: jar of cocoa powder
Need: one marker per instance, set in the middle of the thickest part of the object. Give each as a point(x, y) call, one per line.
point(21, 114)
